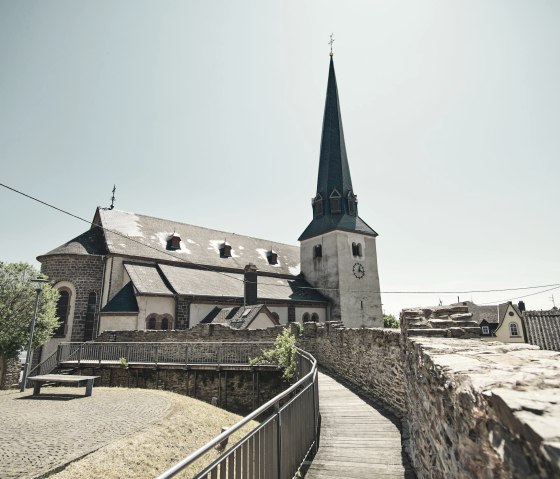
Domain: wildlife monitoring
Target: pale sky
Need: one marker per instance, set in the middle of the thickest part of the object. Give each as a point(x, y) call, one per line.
point(210, 113)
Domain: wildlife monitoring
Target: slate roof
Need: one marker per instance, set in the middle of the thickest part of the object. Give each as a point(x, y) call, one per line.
point(147, 237)
point(334, 172)
point(123, 302)
point(542, 328)
point(147, 279)
point(92, 242)
point(196, 282)
point(237, 317)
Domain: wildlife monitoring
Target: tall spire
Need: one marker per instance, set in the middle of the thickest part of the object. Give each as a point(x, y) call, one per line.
point(335, 206)
point(334, 172)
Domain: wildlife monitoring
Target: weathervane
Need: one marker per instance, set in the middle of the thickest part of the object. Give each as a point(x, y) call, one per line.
point(331, 42)
point(113, 198)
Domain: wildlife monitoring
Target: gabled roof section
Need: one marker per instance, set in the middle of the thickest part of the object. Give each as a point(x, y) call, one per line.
point(542, 328)
point(143, 236)
point(327, 223)
point(147, 280)
point(92, 242)
point(239, 317)
point(123, 302)
point(213, 284)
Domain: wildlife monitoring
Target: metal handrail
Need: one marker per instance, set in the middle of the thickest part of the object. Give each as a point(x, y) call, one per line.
point(306, 383)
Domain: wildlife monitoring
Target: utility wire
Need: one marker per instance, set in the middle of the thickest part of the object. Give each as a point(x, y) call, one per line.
point(183, 260)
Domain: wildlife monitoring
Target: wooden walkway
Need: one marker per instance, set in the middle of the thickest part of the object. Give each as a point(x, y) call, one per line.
point(357, 441)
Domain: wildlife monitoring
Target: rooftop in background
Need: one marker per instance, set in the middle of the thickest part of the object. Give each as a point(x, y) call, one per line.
point(543, 328)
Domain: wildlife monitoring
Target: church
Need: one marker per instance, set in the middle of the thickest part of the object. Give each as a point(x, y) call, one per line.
point(135, 272)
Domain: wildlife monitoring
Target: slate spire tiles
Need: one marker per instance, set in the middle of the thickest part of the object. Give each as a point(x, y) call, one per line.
point(334, 179)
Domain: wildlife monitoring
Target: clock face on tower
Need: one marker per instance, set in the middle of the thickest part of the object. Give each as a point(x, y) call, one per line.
point(358, 270)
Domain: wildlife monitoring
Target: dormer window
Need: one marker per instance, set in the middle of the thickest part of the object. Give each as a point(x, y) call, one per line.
point(318, 251)
point(352, 203)
point(335, 200)
point(225, 250)
point(317, 203)
point(272, 257)
point(174, 242)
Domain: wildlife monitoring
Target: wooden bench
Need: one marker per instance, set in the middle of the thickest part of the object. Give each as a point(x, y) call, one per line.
point(62, 378)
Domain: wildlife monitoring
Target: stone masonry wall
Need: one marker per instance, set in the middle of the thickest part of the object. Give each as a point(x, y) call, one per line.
point(200, 332)
point(478, 409)
point(9, 372)
point(85, 273)
point(370, 359)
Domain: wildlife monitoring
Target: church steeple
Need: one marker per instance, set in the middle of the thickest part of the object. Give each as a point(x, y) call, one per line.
point(335, 206)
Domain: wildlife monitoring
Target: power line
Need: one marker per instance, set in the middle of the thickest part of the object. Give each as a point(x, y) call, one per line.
point(183, 260)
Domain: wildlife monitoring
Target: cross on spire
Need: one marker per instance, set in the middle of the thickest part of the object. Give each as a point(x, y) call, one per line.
point(331, 42)
point(113, 198)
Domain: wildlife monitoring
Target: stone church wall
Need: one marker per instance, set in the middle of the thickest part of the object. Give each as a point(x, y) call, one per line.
point(85, 273)
point(9, 372)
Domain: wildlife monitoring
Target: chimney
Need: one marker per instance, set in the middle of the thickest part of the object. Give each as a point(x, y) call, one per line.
point(521, 306)
point(250, 283)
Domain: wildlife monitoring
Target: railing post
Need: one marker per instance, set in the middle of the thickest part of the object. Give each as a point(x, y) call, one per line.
point(314, 380)
point(58, 354)
point(126, 351)
point(156, 355)
point(100, 353)
point(186, 354)
point(80, 354)
point(278, 440)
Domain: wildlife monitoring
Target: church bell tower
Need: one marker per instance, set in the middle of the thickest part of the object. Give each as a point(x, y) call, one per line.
point(338, 251)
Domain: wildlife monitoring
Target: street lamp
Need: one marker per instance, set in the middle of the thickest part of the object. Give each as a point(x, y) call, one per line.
point(38, 286)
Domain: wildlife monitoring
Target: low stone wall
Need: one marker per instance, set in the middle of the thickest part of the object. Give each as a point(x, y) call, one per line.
point(370, 359)
point(238, 391)
point(9, 372)
point(200, 332)
point(479, 409)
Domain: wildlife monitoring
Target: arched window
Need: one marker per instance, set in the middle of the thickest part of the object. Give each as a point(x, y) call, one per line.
point(152, 323)
point(335, 198)
point(305, 317)
point(315, 317)
point(62, 310)
point(513, 329)
point(90, 316)
point(318, 206)
point(165, 324)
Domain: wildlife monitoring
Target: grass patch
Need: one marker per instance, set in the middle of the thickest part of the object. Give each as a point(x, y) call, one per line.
point(145, 454)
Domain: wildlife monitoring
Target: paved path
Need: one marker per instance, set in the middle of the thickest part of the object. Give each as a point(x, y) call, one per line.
point(357, 441)
point(40, 434)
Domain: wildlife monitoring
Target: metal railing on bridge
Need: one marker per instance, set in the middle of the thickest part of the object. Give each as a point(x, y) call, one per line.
point(277, 447)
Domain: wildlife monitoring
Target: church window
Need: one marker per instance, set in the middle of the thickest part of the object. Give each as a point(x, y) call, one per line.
point(335, 202)
point(315, 317)
point(174, 242)
point(152, 323)
point(318, 206)
point(317, 251)
point(159, 322)
point(225, 250)
point(305, 317)
point(165, 324)
point(356, 249)
point(352, 204)
point(90, 316)
point(513, 329)
point(62, 310)
point(272, 257)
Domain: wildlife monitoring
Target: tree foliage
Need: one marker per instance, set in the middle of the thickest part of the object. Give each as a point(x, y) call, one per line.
point(17, 302)
point(283, 354)
point(389, 321)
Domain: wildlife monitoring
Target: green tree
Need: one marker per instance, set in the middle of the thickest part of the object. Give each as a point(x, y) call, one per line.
point(283, 354)
point(17, 302)
point(389, 321)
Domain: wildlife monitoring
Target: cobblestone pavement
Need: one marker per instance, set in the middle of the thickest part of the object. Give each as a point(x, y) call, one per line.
point(61, 425)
